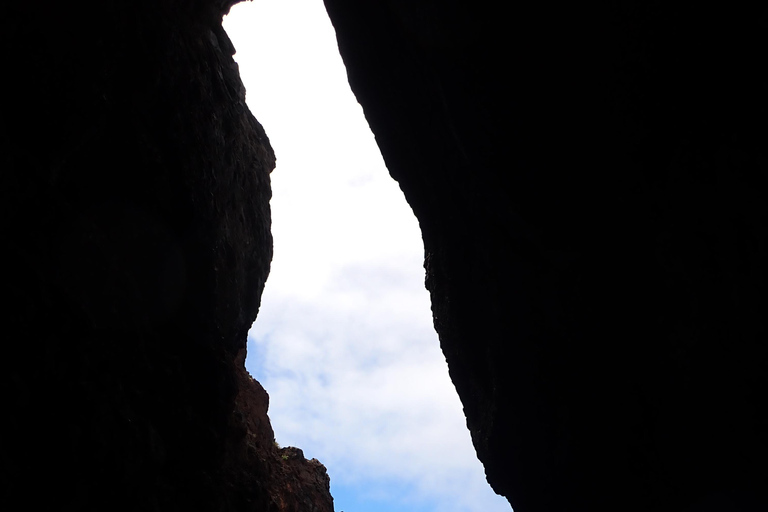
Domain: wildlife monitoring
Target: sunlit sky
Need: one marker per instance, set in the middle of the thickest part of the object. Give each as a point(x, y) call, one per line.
point(344, 342)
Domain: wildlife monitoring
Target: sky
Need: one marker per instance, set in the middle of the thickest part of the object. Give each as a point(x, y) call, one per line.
point(344, 342)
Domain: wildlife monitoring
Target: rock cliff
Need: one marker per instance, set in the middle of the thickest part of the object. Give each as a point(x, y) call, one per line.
point(590, 182)
point(136, 233)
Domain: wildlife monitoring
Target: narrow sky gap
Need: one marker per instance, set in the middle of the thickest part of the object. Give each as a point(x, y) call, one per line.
point(344, 342)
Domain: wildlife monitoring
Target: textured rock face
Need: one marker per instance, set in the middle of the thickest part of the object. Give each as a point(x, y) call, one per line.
point(590, 184)
point(135, 221)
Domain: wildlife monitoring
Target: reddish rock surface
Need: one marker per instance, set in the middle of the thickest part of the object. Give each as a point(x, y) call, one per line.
point(294, 483)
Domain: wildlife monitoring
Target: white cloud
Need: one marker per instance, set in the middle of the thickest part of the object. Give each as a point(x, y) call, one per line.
point(344, 342)
point(367, 392)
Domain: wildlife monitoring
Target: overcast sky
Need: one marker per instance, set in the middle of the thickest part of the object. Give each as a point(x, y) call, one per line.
point(344, 342)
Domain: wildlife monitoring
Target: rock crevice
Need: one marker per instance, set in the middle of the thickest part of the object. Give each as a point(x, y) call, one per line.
point(589, 182)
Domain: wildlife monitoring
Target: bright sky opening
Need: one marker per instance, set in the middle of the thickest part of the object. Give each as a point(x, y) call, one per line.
point(344, 342)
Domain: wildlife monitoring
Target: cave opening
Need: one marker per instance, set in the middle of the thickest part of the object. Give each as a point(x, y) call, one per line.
point(344, 342)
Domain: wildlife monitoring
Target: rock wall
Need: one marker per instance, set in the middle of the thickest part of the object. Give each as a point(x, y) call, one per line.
point(590, 182)
point(136, 227)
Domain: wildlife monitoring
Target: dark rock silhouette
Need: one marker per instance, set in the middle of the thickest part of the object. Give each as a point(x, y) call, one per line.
point(590, 183)
point(136, 228)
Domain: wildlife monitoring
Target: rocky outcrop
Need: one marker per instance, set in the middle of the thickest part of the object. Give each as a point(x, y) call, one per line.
point(136, 228)
point(293, 483)
point(590, 185)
